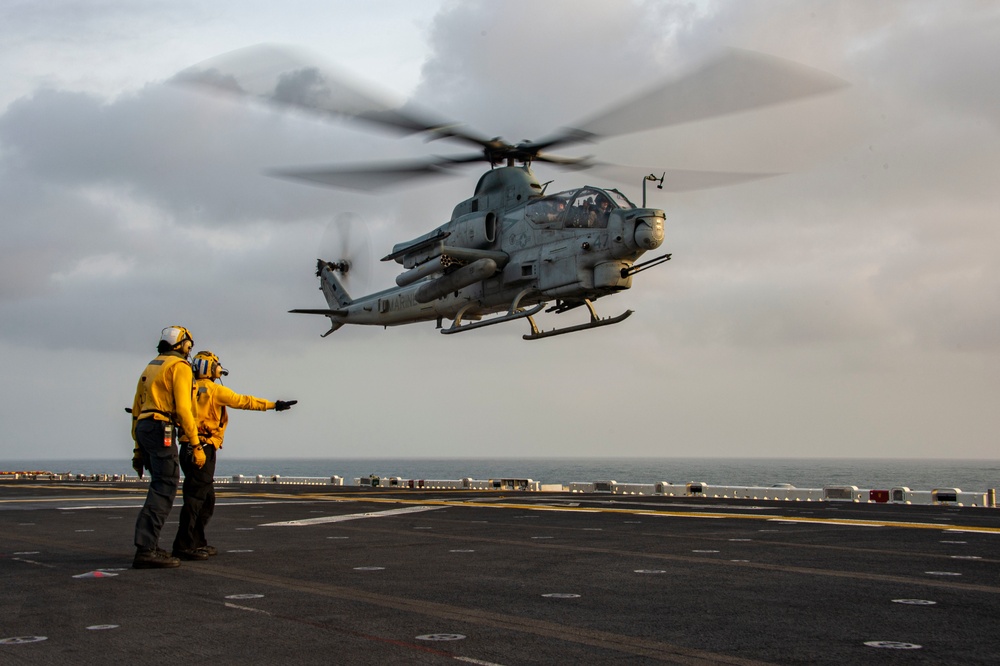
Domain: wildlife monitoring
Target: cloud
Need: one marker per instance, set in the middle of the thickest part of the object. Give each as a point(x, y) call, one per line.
point(567, 62)
point(944, 60)
point(150, 198)
point(192, 158)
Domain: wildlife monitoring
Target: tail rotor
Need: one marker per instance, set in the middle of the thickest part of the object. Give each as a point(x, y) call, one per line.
point(345, 248)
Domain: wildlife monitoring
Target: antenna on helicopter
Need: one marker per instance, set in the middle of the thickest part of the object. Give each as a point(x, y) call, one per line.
point(653, 178)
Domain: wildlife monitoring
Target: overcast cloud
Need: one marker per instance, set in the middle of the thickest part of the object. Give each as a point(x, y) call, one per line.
point(846, 308)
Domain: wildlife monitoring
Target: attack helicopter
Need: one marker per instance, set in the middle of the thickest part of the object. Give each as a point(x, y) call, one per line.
point(512, 248)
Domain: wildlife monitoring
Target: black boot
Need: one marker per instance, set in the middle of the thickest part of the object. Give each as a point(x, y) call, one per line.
point(154, 559)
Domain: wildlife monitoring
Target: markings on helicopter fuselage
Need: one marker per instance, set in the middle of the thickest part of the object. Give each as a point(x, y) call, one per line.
point(597, 241)
point(402, 301)
point(352, 516)
point(518, 241)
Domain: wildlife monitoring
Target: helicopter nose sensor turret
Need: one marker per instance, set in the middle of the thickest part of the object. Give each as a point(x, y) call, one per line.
point(649, 231)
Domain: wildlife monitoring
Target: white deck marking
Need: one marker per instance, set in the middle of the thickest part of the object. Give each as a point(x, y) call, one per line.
point(441, 637)
point(19, 640)
point(893, 645)
point(972, 530)
point(140, 505)
point(27, 561)
point(826, 521)
point(246, 608)
point(480, 662)
point(352, 516)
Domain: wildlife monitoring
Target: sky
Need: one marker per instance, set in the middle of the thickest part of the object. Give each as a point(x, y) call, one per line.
point(847, 308)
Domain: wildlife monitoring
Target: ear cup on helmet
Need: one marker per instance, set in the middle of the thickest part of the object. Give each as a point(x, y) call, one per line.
point(204, 365)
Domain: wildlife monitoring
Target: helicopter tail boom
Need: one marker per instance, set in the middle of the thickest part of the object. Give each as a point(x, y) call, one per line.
point(335, 294)
point(332, 287)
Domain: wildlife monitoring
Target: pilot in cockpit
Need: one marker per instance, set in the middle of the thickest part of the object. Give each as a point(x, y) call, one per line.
point(602, 209)
point(556, 210)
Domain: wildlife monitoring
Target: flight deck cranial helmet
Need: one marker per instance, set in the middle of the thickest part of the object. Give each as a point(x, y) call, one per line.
point(206, 365)
point(172, 337)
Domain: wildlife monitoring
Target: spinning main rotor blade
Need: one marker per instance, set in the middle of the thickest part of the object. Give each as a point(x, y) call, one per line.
point(288, 77)
point(677, 180)
point(393, 175)
point(373, 177)
point(735, 81)
point(732, 82)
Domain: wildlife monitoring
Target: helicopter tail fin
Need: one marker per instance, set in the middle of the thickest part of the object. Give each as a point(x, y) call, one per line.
point(332, 287)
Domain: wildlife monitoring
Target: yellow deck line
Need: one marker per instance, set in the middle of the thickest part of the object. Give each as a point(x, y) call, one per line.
point(647, 512)
point(326, 497)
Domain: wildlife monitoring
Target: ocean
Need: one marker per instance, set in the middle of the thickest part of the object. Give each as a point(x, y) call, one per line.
point(967, 475)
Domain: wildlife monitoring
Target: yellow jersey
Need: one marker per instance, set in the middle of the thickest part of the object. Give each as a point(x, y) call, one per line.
point(210, 403)
point(164, 393)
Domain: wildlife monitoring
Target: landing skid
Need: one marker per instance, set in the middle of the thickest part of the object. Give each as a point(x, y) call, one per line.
point(515, 312)
point(595, 322)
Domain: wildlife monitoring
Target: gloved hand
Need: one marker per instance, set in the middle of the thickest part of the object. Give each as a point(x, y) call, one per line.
point(282, 405)
point(198, 456)
point(137, 460)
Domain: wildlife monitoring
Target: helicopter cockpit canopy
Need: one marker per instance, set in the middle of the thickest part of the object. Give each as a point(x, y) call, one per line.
point(588, 207)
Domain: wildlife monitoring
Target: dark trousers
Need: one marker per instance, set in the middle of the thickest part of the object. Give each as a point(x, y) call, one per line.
point(164, 477)
point(199, 499)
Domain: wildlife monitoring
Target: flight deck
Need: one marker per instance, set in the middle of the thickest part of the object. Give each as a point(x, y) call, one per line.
point(354, 575)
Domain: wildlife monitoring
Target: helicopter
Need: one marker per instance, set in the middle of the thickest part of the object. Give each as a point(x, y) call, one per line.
point(512, 248)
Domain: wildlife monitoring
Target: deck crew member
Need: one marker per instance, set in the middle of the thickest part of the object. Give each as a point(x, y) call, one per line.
point(211, 400)
point(163, 404)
